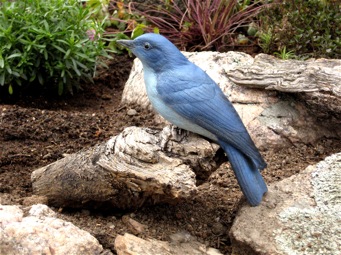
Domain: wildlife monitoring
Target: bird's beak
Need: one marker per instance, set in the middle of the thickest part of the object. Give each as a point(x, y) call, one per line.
point(126, 43)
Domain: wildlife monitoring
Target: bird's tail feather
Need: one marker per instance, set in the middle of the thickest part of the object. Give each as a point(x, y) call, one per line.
point(249, 178)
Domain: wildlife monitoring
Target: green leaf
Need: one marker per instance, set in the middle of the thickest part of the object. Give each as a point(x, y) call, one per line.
point(62, 41)
point(75, 67)
point(46, 56)
point(8, 68)
point(81, 65)
point(2, 79)
point(40, 79)
point(67, 54)
point(10, 89)
point(138, 31)
point(46, 25)
point(14, 55)
point(60, 88)
point(85, 57)
point(2, 63)
point(23, 75)
point(16, 74)
point(156, 30)
point(59, 48)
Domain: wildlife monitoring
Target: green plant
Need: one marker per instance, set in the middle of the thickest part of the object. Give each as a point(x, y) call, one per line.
point(53, 43)
point(202, 25)
point(99, 8)
point(284, 54)
point(265, 40)
point(121, 23)
point(310, 28)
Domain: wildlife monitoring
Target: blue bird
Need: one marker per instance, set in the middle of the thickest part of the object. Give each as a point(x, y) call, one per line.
point(187, 97)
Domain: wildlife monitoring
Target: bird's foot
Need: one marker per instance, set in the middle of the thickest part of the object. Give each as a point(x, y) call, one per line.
point(172, 133)
point(178, 134)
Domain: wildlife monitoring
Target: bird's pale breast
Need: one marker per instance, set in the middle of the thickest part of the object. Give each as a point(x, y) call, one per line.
point(167, 112)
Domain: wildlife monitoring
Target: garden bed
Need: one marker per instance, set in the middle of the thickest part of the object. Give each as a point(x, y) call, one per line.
point(38, 130)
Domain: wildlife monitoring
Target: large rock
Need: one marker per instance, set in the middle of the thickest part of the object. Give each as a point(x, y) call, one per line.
point(41, 233)
point(273, 120)
point(299, 215)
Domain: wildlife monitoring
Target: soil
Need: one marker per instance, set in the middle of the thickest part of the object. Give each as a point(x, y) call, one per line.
point(38, 130)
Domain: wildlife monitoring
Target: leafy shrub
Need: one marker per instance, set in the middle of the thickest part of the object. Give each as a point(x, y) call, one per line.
point(310, 28)
point(47, 42)
point(202, 25)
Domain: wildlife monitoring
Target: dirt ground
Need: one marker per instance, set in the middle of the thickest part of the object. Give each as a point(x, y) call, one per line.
point(38, 130)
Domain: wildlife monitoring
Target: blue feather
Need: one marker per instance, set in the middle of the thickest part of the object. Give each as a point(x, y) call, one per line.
point(249, 178)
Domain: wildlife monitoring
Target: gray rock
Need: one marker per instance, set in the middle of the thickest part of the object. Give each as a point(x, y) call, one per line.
point(299, 215)
point(41, 233)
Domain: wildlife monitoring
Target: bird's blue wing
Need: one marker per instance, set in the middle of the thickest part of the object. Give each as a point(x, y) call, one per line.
point(191, 93)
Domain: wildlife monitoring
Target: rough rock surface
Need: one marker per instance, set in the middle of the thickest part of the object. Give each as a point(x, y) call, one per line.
point(300, 215)
point(131, 245)
point(274, 120)
point(41, 233)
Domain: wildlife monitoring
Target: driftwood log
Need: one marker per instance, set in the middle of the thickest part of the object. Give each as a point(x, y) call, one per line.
point(281, 102)
point(138, 166)
point(318, 81)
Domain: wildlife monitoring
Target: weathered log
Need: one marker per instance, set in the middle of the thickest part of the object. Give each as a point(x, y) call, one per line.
point(274, 119)
point(138, 166)
point(317, 80)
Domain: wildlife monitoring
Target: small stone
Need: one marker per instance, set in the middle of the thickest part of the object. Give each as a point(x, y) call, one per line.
point(106, 96)
point(131, 112)
point(181, 237)
point(218, 229)
point(40, 210)
point(134, 226)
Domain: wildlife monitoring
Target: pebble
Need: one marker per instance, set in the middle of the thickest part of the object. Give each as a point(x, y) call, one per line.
point(131, 112)
point(181, 237)
point(218, 229)
point(106, 96)
point(134, 226)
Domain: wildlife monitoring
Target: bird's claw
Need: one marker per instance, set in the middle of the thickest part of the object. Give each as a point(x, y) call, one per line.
point(173, 133)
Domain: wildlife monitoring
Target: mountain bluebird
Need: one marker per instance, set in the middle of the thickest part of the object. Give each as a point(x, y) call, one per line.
point(188, 98)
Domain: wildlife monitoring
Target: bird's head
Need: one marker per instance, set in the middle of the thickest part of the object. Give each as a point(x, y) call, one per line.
point(155, 51)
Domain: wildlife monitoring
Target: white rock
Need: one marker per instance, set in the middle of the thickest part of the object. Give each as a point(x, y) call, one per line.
point(131, 245)
point(300, 215)
point(41, 233)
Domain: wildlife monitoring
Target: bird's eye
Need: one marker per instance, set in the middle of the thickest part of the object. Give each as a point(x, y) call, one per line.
point(147, 46)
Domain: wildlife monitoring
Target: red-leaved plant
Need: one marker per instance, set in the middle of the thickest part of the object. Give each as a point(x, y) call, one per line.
point(200, 25)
